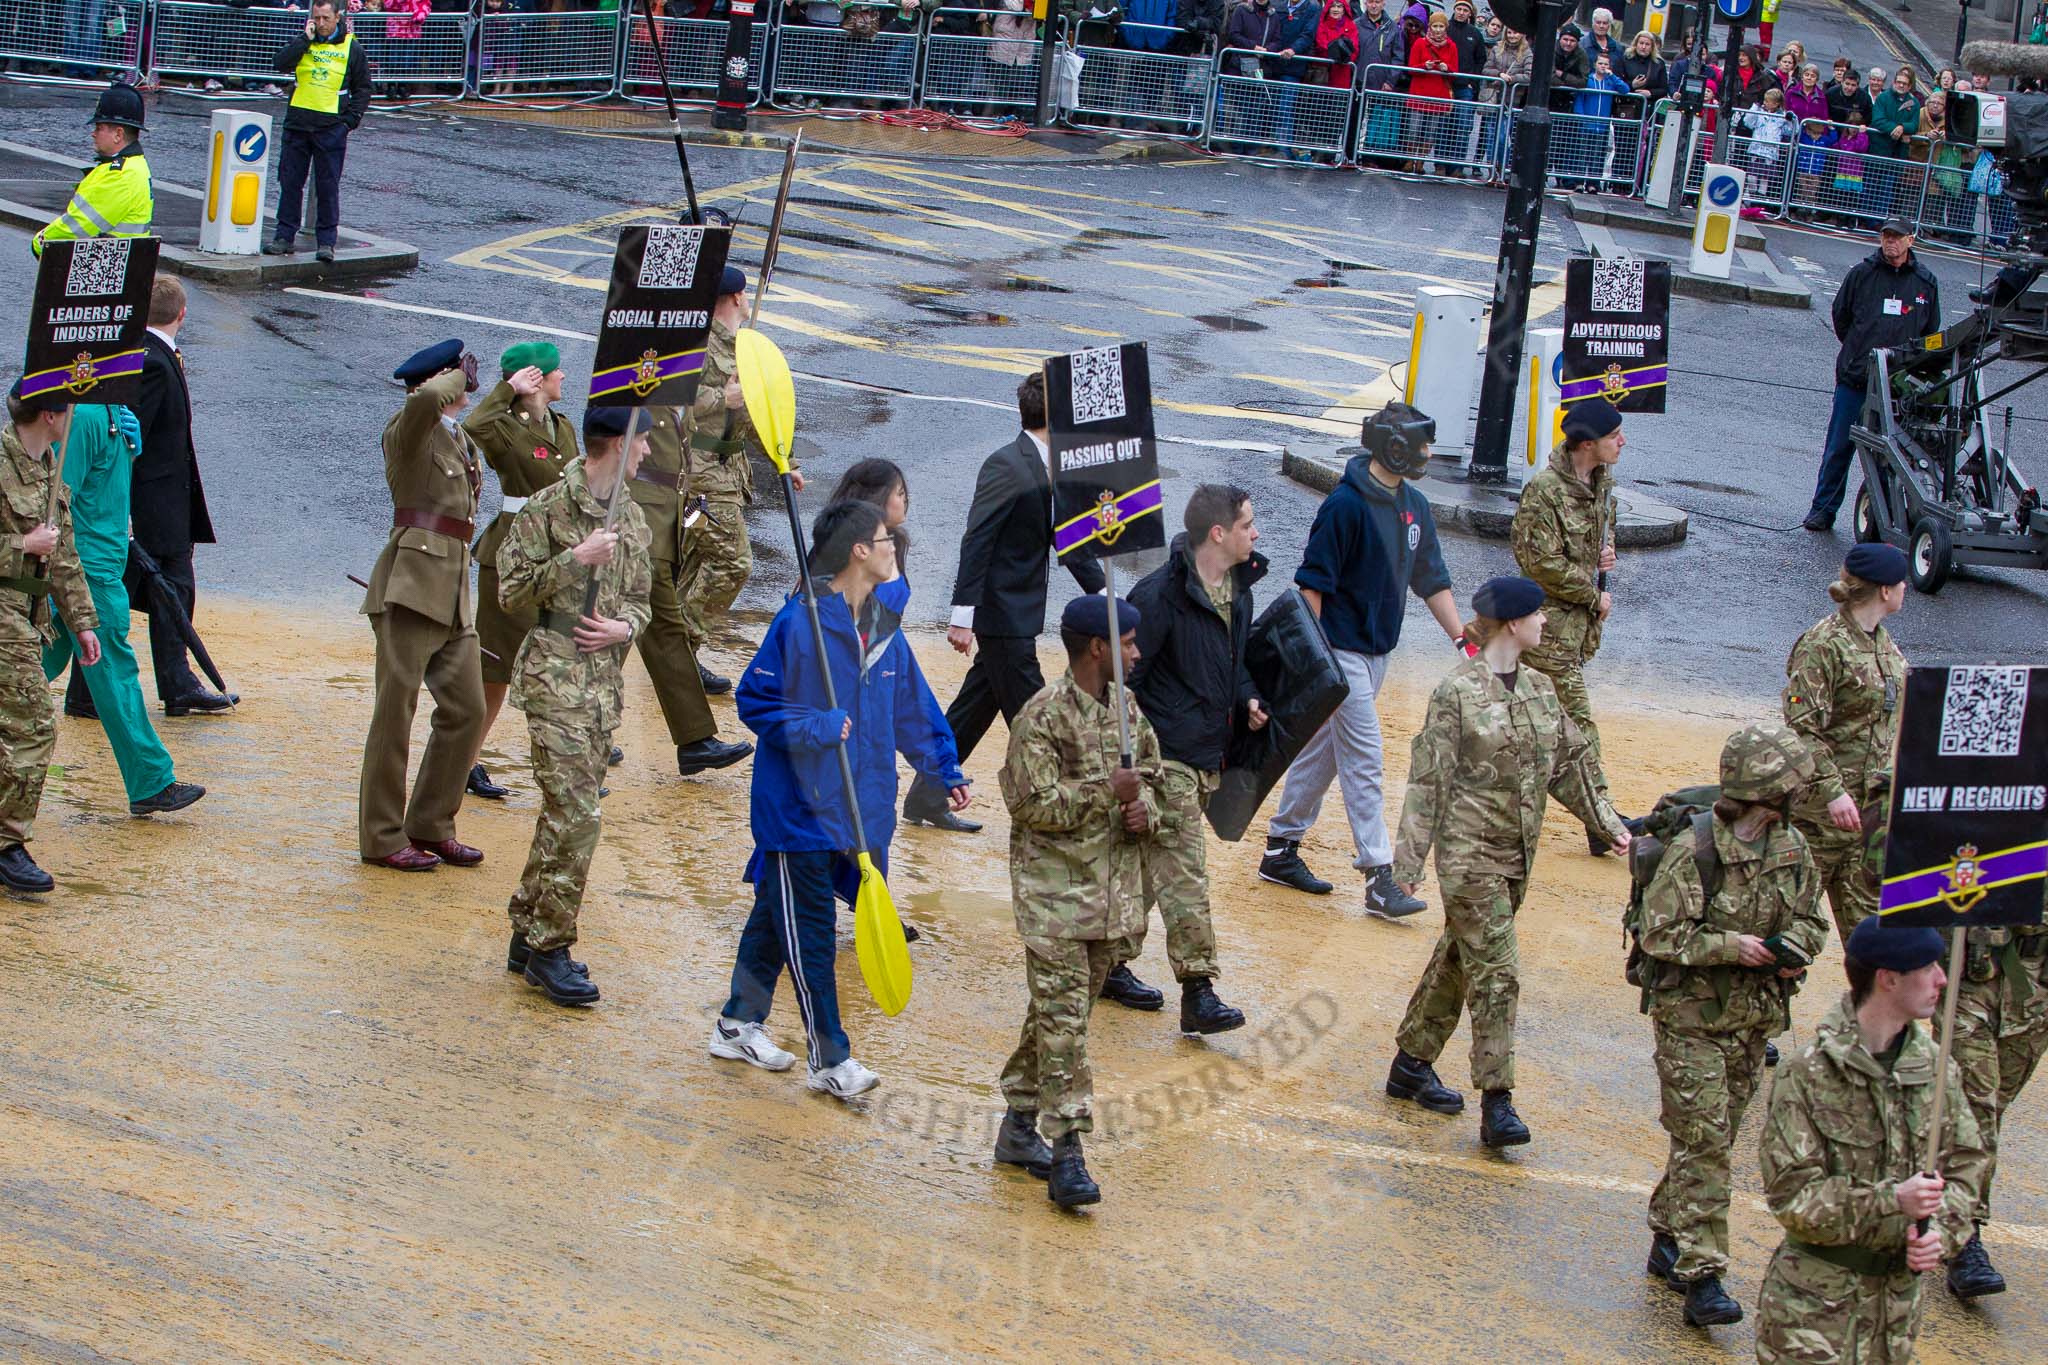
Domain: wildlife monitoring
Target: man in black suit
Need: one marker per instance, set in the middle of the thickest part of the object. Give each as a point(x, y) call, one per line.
point(999, 596)
point(168, 505)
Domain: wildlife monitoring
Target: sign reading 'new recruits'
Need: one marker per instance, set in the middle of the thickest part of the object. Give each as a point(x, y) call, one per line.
point(657, 315)
point(85, 328)
point(1105, 463)
point(1617, 315)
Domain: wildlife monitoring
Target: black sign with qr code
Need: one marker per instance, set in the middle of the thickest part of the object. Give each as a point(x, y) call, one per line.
point(1105, 463)
point(85, 328)
point(657, 315)
point(1617, 340)
point(1967, 832)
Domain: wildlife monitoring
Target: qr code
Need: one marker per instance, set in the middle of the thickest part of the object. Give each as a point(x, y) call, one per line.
point(99, 266)
point(1618, 286)
point(670, 261)
point(1098, 385)
point(1981, 715)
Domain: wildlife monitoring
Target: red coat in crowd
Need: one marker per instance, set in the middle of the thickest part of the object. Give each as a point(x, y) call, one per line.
point(1337, 42)
point(1431, 84)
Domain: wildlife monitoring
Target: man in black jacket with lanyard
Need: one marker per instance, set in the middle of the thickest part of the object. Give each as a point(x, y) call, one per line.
point(999, 596)
point(329, 100)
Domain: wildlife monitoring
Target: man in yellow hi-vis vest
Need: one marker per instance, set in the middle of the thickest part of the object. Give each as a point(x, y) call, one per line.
point(115, 198)
point(330, 99)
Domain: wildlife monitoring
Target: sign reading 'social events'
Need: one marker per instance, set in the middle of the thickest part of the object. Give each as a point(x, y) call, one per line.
point(657, 315)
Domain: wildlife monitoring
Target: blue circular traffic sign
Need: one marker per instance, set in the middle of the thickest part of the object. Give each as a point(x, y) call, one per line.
point(251, 143)
point(1735, 9)
point(1723, 190)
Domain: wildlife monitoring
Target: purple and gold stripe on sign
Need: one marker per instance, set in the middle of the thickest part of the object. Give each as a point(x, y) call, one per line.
point(628, 378)
point(1592, 386)
point(1078, 531)
point(1911, 890)
point(43, 382)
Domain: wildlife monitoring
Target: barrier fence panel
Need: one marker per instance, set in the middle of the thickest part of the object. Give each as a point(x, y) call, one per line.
point(221, 41)
point(815, 63)
point(1601, 153)
point(81, 37)
point(1458, 137)
point(1257, 114)
point(572, 53)
point(694, 50)
point(430, 54)
point(1143, 89)
point(967, 73)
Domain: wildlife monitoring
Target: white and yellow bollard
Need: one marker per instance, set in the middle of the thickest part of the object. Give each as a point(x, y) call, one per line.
point(1542, 417)
point(1720, 214)
point(1442, 366)
point(237, 176)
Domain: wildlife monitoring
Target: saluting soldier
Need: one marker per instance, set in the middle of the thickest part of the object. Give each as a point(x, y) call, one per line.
point(1077, 879)
point(1843, 684)
point(529, 444)
point(1563, 538)
point(1842, 1149)
point(1494, 744)
point(420, 611)
point(38, 561)
point(716, 555)
point(568, 679)
point(1714, 915)
point(116, 197)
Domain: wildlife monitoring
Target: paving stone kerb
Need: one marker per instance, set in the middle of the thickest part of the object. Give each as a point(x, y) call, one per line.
point(1644, 522)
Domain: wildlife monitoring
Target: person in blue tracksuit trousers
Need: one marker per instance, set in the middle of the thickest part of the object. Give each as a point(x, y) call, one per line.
point(803, 833)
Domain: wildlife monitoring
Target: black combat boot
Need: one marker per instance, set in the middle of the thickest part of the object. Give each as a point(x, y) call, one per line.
point(1499, 1124)
point(550, 970)
point(1770, 1054)
point(1410, 1079)
point(18, 871)
point(1202, 1012)
point(616, 757)
point(517, 953)
point(1283, 865)
point(715, 685)
point(1663, 1256)
point(480, 784)
point(1018, 1143)
point(1126, 990)
point(1971, 1274)
point(1707, 1304)
point(1385, 898)
point(1068, 1183)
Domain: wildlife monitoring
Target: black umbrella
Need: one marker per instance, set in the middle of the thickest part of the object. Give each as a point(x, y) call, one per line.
point(162, 600)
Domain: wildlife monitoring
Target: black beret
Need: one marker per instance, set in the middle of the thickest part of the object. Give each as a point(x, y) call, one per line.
point(424, 365)
point(733, 281)
point(599, 423)
point(1507, 598)
point(1877, 563)
point(51, 401)
point(1589, 419)
point(1089, 615)
point(1877, 944)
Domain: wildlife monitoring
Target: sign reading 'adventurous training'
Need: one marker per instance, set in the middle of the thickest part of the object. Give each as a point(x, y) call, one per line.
point(1617, 316)
point(85, 328)
point(1105, 463)
point(657, 315)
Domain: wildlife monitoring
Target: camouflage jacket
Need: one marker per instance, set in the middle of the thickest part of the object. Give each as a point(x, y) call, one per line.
point(719, 467)
point(527, 455)
point(1843, 686)
point(1770, 890)
point(25, 487)
point(1479, 771)
point(1843, 1130)
point(1559, 529)
point(2007, 969)
point(1074, 872)
point(536, 570)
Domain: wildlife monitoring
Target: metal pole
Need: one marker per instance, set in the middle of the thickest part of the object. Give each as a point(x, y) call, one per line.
point(1116, 664)
point(1513, 276)
point(1958, 937)
point(1724, 122)
point(1963, 25)
point(1048, 47)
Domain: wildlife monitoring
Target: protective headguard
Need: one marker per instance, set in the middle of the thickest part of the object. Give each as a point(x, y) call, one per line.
point(1399, 436)
point(1765, 762)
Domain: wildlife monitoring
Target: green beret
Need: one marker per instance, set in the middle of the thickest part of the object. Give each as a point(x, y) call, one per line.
point(542, 355)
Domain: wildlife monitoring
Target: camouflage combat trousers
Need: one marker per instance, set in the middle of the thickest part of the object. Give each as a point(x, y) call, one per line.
point(1996, 1059)
point(1838, 856)
point(716, 562)
point(568, 766)
point(1049, 1070)
point(1176, 864)
point(1811, 1311)
point(1707, 1081)
point(1569, 678)
point(1475, 969)
point(28, 736)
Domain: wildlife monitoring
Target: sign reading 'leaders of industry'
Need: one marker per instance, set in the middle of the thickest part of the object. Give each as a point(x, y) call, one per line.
point(1617, 315)
point(657, 315)
point(1105, 464)
point(1968, 835)
point(85, 328)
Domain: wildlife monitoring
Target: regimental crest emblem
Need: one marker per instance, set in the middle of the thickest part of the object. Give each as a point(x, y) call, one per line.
point(1964, 876)
point(647, 376)
point(83, 374)
point(1108, 517)
point(1613, 387)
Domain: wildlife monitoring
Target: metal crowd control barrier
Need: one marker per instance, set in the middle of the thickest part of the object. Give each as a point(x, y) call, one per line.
point(1602, 153)
point(694, 49)
point(430, 53)
point(1257, 115)
point(221, 42)
point(1148, 90)
point(82, 37)
point(575, 52)
point(830, 66)
point(1450, 137)
point(973, 74)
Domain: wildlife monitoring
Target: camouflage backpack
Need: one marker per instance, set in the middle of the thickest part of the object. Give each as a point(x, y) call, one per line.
point(1674, 811)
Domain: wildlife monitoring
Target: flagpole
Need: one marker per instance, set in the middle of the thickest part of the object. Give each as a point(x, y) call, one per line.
point(1960, 936)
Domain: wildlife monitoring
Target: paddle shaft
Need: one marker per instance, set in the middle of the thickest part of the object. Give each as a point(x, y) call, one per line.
point(803, 571)
point(775, 227)
point(1948, 1033)
point(675, 122)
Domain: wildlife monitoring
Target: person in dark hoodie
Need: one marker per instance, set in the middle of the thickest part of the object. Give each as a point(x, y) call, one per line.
point(1373, 541)
point(1201, 23)
point(1194, 619)
point(330, 96)
point(1569, 71)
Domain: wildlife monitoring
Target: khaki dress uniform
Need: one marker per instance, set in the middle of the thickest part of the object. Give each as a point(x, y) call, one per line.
point(528, 456)
point(717, 557)
point(665, 647)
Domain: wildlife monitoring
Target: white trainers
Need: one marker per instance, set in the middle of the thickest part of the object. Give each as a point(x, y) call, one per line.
point(844, 1081)
point(750, 1043)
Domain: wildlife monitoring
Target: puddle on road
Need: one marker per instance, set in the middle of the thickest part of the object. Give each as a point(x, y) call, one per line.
point(1035, 286)
point(1703, 486)
point(1218, 323)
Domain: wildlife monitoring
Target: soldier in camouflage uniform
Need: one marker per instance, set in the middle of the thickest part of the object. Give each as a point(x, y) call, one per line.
point(39, 560)
point(1563, 537)
point(716, 555)
point(1716, 993)
point(1843, 1146)
point(1494, 743)
point(567, 678)
point(1843, 684)
point(1078, 820)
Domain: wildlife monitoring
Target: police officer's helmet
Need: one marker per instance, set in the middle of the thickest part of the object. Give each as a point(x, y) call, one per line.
point(1399, 436)
point(119, 104)
point(1765, 762)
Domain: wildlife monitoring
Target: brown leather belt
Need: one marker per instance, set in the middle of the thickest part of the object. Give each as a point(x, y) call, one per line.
point(407, 517)
point(660, 478)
